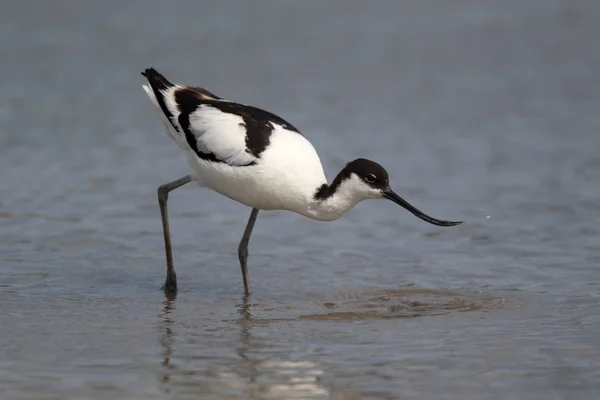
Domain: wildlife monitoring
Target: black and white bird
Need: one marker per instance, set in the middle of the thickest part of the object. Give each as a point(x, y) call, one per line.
point(258, 159)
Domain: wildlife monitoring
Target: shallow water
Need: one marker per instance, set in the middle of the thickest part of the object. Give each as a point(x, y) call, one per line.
point(481, 111)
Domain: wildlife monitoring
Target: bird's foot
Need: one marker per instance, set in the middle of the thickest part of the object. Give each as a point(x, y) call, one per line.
point(170, 285)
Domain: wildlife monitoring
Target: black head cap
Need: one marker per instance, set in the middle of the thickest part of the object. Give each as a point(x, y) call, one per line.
point(369, 172)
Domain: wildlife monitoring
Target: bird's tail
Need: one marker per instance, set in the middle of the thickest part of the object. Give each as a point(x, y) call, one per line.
point(156, 80)
point(160, 91)
point(160, 88)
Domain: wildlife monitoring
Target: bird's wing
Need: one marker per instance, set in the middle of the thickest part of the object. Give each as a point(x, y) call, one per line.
point(214, 129)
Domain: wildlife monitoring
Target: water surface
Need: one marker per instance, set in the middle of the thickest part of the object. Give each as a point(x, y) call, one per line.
point(482, 111)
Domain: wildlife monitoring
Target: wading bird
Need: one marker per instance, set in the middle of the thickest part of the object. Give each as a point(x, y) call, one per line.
point(258, 159)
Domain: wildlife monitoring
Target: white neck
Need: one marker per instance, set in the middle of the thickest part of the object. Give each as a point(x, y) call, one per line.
point(345, 196)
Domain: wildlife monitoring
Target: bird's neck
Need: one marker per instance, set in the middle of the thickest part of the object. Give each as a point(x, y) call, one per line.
point(330, 202)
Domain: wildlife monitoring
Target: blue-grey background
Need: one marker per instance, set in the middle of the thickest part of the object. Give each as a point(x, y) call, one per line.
point(481, 110)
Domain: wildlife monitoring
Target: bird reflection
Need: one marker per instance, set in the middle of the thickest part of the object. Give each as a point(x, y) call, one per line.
point(248, 374)
point(245, 338)
point(166, 335)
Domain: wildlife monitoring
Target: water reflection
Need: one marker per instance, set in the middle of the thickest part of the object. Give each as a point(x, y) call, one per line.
point(244, 343)
point(246, 356)
point(166, 335)
point(272, 376)
point(260, 370)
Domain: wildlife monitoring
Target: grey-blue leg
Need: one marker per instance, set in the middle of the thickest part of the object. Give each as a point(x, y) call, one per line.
point(163, 196)
point(243, 249)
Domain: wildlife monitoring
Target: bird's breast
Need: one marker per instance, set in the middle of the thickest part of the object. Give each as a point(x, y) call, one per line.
point(285, 177)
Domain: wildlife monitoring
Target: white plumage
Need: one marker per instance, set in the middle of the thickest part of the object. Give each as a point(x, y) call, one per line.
point(290, 162)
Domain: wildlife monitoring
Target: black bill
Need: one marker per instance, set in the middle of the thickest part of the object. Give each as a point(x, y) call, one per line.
point(400, 201)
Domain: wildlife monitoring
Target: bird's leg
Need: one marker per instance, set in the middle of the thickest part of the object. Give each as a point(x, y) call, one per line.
point(163, 195)
point(243, 249)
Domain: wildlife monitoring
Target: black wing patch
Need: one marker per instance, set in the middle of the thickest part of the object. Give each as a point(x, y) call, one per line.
point(257, 123)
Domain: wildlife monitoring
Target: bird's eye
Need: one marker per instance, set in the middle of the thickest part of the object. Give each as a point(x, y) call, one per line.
point(370, 178)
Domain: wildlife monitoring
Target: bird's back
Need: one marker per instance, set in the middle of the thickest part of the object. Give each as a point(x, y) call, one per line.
point(248, 154)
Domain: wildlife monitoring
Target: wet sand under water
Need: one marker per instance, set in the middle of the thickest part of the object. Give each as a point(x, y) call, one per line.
point(406, 302)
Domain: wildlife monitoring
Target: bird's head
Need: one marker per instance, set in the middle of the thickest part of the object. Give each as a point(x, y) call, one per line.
point(367, 179)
